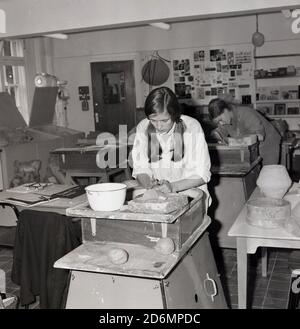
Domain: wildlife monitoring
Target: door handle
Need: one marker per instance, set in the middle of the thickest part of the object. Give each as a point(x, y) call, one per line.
point(214, 287)
point(93, 226)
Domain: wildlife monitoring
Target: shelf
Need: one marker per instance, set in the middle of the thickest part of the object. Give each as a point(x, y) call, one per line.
point(274, 56)
point(268, 101)
point(278, 77)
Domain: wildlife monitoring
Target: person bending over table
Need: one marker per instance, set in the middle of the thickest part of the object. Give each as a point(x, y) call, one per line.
point(170, 153)
point(237, 120)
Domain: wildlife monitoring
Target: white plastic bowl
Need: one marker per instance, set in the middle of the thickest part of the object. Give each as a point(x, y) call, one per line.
point(106, 196)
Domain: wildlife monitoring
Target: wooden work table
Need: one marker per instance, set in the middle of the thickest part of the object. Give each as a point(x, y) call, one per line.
point(234, 170)
point(149, 280)
point(82, 162)
point(58, 205)
point(97, 282)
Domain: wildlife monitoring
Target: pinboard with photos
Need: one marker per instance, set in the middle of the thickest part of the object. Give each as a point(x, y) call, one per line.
point(208, 72)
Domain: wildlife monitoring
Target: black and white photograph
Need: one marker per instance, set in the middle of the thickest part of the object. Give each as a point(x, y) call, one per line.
point(279, 109)
point(149, 161)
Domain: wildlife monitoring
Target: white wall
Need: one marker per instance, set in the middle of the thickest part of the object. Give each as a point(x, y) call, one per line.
point(72, 57)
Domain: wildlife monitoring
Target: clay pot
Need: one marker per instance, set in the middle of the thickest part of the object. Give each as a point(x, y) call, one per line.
point(274, 181)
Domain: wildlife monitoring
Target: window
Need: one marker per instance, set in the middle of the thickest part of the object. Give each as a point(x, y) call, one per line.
point(12, 73)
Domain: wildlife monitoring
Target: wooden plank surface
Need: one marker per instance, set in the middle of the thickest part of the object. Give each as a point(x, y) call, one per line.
point(84, 210)
point(235, 170)
point(227, 147)
point(142, 261)
point(56, 205)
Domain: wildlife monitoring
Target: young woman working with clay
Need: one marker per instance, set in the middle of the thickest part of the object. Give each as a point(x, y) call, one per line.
point(236, 120)
point(170, 153)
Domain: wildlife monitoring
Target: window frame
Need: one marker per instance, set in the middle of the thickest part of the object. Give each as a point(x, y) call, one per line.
point(17, 61)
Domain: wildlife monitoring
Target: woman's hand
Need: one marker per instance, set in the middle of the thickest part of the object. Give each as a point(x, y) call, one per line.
point(163, 186)
point(218, 135)
point(146, 181)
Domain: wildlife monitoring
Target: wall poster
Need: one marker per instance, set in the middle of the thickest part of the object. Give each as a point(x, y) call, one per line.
point(209, 72)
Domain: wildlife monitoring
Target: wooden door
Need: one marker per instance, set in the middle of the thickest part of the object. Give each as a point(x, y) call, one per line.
point(113, 95)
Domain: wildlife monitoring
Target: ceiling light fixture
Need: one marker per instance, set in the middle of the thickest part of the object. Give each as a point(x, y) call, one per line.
point(161, 25)
point(57, 36)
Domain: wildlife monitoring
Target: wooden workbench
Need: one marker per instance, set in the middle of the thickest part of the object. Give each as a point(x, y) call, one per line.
point(184, 279)
point(82, 162)
point(59, 205)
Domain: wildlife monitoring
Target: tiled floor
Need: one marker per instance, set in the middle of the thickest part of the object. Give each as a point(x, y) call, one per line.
point(263, 293)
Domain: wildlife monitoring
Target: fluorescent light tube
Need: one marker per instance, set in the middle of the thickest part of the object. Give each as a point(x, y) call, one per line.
point(161, 25)
point(57, 36)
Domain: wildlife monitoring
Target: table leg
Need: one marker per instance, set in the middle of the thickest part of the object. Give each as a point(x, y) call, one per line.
point(69, 179)
point(242, 264)
point(264, 262)
point(127, 174)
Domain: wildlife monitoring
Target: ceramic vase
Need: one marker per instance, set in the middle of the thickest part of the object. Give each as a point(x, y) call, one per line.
point(274, 181)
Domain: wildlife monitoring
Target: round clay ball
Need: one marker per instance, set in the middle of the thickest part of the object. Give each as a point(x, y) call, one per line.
point(118, 256)
point(165, 246)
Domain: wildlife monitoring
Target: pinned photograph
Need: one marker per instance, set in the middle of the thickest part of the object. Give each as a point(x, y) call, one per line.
point(279, 109)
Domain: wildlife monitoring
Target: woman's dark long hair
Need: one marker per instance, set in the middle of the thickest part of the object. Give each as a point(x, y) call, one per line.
point(162, 100)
